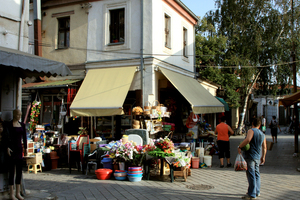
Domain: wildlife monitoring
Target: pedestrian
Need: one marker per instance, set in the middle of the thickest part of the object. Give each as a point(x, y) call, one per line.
point(224, 131)
point(3, 158)
point(263, 124)
point(274, 125)
point(254, 156)
point(16, 132)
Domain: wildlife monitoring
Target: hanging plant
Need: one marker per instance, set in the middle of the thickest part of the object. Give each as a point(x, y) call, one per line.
point(34, 115)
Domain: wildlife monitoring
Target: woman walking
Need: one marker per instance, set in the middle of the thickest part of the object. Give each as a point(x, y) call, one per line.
point(274, 125)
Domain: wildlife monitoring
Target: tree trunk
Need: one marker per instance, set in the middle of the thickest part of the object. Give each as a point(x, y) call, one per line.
point(242, 118)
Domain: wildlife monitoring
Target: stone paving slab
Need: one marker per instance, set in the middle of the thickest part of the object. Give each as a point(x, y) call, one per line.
point(279, 177)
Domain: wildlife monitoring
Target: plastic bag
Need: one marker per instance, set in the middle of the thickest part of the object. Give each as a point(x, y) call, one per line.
point(263, 128)
point(240, 163)
point(192, 120)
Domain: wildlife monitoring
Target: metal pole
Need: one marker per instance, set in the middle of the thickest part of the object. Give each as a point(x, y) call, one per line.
point(142, 53)
point(295, 82)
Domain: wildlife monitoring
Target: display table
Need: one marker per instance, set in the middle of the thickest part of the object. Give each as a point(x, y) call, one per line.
point(174, 171)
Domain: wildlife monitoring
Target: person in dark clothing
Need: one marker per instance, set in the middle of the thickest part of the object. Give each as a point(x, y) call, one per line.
point(16, 132)
point(274, 125)
point(3, 150)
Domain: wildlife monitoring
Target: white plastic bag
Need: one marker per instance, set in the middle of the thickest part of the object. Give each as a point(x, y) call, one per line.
point(240, 163)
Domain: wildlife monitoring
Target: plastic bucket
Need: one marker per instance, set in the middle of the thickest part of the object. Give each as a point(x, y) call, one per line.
point(201, 159)
point(54, 161)
point(107, 163)
point(208, 160)
point(195, 162)
point(200, 151)
point(122, 165)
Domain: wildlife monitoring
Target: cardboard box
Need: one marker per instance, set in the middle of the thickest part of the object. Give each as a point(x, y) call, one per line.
point(36, 158)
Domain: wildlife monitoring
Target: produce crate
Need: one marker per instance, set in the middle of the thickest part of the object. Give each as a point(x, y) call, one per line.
point(37, 159)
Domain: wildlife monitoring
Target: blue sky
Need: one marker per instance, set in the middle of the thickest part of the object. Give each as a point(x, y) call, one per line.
point(199, 7)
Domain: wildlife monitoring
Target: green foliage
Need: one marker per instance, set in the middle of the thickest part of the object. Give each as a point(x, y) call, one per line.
point(245, 35)
point(34, 115)
point(210, 48)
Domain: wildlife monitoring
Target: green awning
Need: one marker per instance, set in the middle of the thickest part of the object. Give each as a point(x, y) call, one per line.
point(224, 103)
point(50, 84)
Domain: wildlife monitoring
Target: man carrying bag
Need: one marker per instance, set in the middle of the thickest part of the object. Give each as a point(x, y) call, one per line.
point(254, 156)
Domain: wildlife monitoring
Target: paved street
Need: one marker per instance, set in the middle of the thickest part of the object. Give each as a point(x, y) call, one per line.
point(280, 180)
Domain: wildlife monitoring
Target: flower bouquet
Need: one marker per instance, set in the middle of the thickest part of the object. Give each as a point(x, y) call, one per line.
point(128, 152)
point(164, 148)
point(34, 115)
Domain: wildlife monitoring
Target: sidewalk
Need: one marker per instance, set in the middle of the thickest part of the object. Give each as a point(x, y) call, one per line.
point(279, 177)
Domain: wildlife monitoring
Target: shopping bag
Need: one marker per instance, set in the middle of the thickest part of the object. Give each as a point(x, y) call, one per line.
point(269, 145)
point(240, 163)
point(263, 128)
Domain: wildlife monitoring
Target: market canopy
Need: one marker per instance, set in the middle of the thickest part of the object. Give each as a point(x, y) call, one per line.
point(50, 84)
point(226, 106)
point(200, 99)
point(103, 92)
point(290, 99)
point(28, 65)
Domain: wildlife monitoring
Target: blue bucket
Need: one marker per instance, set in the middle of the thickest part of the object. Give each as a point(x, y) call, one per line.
point(107, 163)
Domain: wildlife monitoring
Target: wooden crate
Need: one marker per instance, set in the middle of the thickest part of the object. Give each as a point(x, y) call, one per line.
point(37, 159)
point(182, 173)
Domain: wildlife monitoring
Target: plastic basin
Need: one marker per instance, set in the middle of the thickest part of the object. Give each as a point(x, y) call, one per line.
point(120, 178)
point(103, 174)
point(135, 175)
point(134, 179)
point(120, 174)
point(140, 172)
point(120, 171)
point(134, 168)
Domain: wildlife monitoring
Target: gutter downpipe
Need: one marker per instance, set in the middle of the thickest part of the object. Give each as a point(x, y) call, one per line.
point(142, 52)
point(20, 48)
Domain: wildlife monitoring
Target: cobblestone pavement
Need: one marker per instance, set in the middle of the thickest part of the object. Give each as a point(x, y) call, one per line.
point(279, 177)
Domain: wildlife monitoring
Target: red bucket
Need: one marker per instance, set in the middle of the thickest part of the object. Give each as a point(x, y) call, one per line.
point(103, 174)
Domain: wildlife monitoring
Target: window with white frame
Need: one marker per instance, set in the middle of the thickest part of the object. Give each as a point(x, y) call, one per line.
point(167, 31)
point(184, 39)
point(117, 26)
point(63, 32)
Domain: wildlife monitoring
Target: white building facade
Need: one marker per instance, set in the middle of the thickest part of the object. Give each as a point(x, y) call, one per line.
point(165, 33)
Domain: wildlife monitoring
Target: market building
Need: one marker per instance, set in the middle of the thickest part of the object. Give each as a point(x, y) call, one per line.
point(123, 55)
point(105, 39)
point(16, 64)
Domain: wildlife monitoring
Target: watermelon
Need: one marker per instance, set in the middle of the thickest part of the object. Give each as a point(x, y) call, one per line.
point(246, 148)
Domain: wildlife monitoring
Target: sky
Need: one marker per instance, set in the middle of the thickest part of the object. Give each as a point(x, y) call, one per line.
point(199, 7)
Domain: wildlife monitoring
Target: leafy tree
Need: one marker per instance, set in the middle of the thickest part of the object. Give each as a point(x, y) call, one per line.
point(253, 30)
point(210, 47)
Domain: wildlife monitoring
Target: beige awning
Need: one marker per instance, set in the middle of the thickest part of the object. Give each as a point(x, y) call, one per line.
point(103, 92)
point(199, 98)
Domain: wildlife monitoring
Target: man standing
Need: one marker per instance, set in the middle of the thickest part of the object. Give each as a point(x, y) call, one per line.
point(254, 156)
point(223, 131)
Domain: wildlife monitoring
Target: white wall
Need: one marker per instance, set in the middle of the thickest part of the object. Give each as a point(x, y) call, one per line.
point(177, 23)
point(271, 109)
point(98, 31)
point(153, 33)
point(14, 35)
